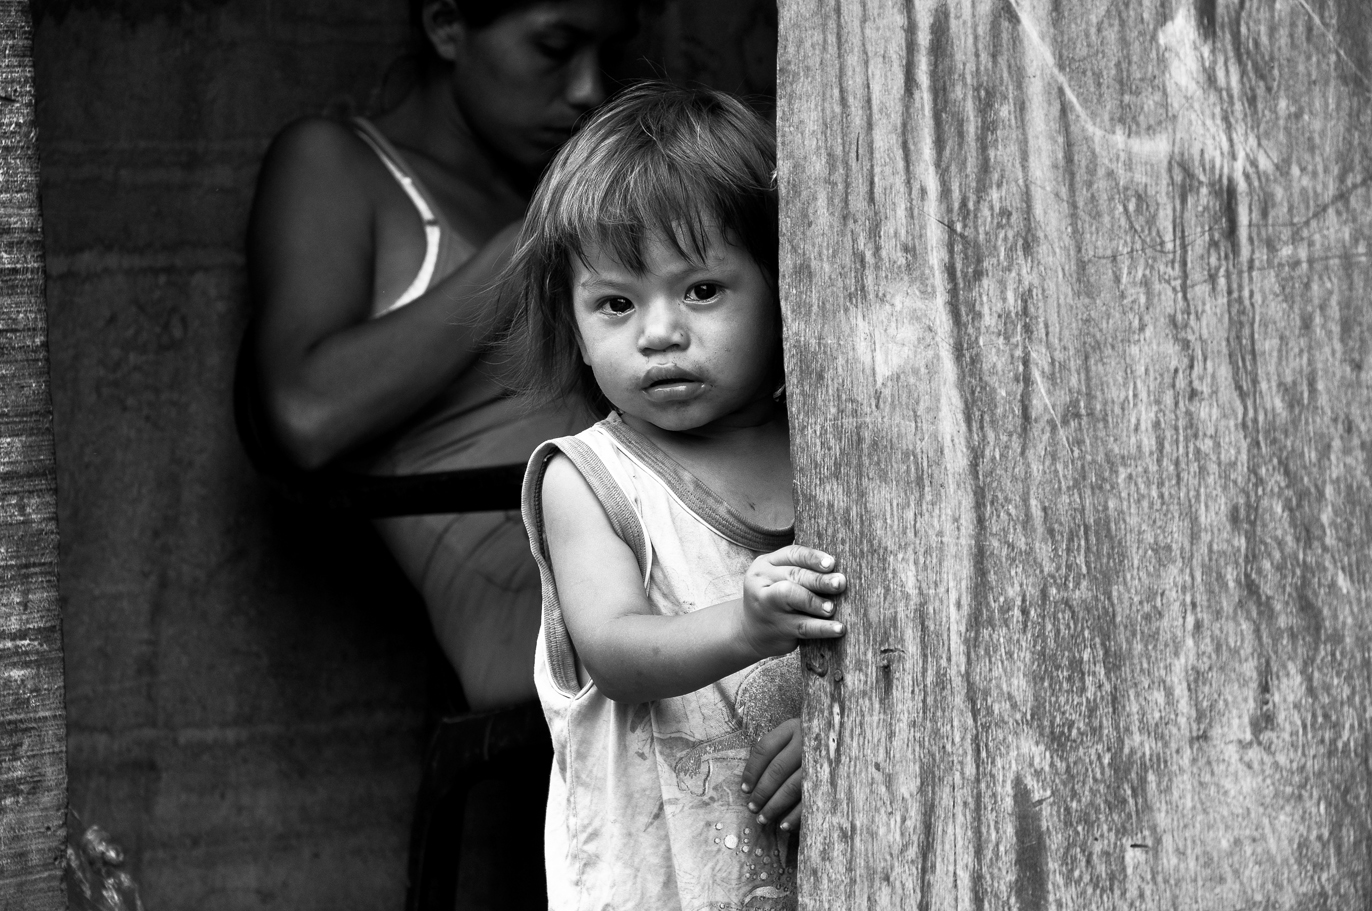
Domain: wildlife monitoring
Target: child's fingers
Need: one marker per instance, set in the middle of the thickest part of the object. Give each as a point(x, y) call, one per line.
point(767, 748)
point(797, 599)
point(818, 629)
point(802, 556)
point(779, 748)
point(787, 571)
point(784, 802)
point(819, 583)
point(771, 776)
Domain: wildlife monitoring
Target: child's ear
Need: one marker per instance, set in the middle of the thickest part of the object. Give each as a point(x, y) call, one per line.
point(445, 28)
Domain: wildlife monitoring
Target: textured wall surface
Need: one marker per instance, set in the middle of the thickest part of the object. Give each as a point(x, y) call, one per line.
point(1079, 335)
point(245, 686)
point(243, 701)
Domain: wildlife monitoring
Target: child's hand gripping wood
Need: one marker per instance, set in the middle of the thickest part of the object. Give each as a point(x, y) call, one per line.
point(787, 596)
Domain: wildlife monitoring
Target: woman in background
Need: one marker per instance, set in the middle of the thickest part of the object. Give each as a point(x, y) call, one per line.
point(373, 248)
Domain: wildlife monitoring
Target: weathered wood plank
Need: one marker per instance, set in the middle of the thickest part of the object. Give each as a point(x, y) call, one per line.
point(1078, 338)
point(33, 781)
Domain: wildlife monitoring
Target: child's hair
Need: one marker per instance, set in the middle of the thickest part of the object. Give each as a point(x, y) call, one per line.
point(681, 164)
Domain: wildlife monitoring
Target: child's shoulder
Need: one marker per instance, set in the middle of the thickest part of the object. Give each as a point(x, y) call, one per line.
point(563, 483)
point(584, 510)
point(572, 463)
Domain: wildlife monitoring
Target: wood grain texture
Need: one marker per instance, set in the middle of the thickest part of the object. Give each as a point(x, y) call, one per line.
point(1077, 303)
point(33, 783)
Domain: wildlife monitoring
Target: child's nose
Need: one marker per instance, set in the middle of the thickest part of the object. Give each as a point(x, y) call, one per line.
point(662, 330)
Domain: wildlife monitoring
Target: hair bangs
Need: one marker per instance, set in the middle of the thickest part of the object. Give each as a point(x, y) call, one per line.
point(684, 173)
point(619, 215)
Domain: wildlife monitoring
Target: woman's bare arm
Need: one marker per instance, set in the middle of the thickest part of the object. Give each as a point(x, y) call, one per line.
point(333, 377)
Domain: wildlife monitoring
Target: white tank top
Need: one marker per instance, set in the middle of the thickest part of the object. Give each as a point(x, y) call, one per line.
point(644, 805)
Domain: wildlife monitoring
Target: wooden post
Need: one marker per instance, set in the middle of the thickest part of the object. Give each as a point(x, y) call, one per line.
point(1079, 312)
point(33, 779)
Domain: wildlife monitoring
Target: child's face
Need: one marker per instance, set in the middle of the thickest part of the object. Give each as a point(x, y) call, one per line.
point(681, 346)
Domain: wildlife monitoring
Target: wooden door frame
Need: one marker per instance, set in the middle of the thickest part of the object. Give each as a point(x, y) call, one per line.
point(33, 772)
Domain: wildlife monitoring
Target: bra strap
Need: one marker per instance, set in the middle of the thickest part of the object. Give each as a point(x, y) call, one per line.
point(432, 231)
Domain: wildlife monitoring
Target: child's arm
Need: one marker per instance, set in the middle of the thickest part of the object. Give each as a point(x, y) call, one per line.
point(635, 655)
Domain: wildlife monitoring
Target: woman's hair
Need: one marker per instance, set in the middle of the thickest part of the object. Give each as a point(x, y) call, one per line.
point(475, 13)
point(657, 161)
point(421, 61)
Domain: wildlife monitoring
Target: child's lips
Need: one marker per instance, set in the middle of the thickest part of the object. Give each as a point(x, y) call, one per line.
point(678, 391)
point(671, 384)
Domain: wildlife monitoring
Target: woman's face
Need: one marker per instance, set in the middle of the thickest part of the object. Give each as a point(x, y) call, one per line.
point(524, 80)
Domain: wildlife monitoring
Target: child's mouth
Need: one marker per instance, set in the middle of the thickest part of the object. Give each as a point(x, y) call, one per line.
point(671, 387)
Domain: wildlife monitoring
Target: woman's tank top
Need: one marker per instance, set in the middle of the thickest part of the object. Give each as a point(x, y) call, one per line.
point(475, 421)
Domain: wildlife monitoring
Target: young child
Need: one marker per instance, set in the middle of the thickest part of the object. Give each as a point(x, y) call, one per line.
point(645, 282)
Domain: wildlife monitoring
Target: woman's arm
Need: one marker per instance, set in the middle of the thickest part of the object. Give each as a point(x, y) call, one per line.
point(334, 377)
point(635, 655)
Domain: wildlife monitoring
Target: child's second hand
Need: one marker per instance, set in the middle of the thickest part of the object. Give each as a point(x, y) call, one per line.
point(772, 773)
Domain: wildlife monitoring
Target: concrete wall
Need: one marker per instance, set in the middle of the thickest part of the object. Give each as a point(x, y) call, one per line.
point(244, 683)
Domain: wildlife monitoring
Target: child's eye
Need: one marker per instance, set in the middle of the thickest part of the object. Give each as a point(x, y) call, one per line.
point(702, 291)
point(616, 305)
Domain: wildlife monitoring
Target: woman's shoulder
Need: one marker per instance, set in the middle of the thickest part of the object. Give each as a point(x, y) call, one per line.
point(320, 169)
point(315, 143)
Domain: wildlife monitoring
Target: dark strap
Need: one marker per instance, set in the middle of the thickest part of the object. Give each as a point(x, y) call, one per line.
point(489, 488)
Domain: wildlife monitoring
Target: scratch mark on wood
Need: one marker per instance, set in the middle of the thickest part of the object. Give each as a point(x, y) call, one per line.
point(835, 722)
point(1334, 40)
point(1052, 412)
point(1151, 148)
point(1210, 122)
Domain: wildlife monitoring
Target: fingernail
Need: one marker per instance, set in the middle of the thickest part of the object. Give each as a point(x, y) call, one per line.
point(785, 827)
point(827, 607)
point(837, 627)
point(838, 579)
point(762, 820)
point(752, 808)
point(746, 787)
point(826, 562)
